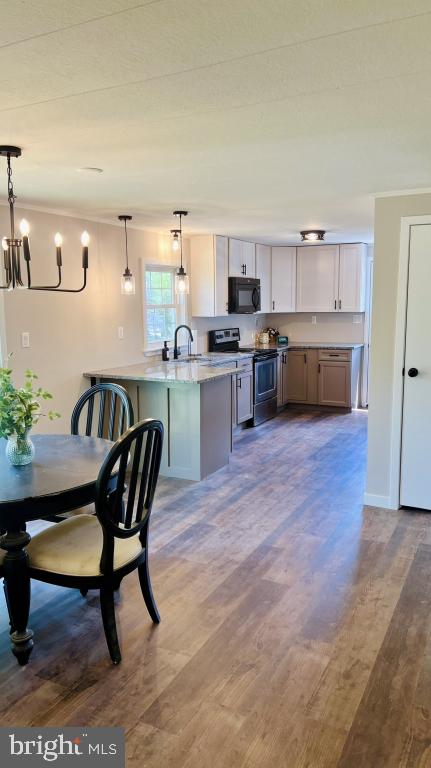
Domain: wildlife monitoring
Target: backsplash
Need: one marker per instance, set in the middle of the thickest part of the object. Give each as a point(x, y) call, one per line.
point(247, 324)
point(330, 326)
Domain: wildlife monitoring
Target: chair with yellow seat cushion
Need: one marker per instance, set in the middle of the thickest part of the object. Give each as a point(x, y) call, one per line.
point(97, 551)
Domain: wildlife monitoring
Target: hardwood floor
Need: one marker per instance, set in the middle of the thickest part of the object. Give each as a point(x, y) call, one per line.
point(296, 624)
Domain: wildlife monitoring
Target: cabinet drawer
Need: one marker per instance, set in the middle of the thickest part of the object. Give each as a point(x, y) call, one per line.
point(335, 354)
point(245, 365)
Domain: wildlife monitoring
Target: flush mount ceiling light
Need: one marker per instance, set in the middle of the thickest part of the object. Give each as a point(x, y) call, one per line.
point(182, 285)
point(127, 280)
point(312, 234)
point(12, 245)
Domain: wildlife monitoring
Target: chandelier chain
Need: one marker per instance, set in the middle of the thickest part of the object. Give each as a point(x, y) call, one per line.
point(10, 193)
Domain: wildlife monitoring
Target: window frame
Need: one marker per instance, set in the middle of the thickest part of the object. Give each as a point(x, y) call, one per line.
point(179, 306)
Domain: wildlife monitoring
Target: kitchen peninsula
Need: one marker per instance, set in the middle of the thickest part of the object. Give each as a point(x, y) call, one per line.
point(193, 400)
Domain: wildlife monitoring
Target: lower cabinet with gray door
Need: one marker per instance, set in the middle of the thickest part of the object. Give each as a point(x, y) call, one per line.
point(243, 394)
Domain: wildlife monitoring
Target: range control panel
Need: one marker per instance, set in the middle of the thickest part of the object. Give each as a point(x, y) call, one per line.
point(226, 334)
point(225, 338)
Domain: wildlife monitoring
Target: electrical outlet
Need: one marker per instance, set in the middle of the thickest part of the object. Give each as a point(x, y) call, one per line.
point(313, 320)
point(120, 332)
point(25, 339)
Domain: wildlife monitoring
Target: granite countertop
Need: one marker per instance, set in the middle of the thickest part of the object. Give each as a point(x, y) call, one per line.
point(312, 345)
point(181, 372)
point(322, 345)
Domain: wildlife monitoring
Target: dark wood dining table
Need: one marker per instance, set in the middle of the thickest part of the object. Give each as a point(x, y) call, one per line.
point(62, 477)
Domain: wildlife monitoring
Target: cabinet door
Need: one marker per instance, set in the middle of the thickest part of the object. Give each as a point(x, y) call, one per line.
point(244, 396)
point(283, 279)
point(242, 258)
point(317, 278)
point(236, 258)
point(284, 378)
point(352, 278)
point(334, 384)
point(221, 275)
point(280, 380)
point(297, 378)
point(249, 258)
point(263, 273)
point(209, 273)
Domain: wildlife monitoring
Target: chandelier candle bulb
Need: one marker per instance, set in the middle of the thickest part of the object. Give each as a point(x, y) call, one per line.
point(58, 240)
point(85, 239)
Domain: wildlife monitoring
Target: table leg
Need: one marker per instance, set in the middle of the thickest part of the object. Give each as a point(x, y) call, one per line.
point(17, 587)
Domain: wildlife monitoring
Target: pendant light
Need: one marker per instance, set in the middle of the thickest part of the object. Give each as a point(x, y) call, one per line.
point(182, 285)
point(127, 280)
point(12, 245)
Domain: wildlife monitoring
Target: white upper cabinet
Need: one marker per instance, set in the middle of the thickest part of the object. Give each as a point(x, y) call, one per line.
point(352, 277)
point(317, 278)
point(242, 258)
point(283, 279)
point(263, 273)
point(209, 275)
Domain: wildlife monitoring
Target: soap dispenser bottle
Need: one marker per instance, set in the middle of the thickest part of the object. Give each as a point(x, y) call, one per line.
point(165, 352)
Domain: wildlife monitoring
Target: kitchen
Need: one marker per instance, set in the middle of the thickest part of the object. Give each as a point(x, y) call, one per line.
point(231, 280)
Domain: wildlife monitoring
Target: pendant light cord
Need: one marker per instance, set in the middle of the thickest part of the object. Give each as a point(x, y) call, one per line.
point(181, 243)
point(127, 249)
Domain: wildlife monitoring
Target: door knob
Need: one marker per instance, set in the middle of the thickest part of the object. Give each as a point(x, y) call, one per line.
point(412, 372)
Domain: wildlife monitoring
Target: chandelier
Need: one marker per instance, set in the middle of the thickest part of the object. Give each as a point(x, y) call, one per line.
point(14, 247)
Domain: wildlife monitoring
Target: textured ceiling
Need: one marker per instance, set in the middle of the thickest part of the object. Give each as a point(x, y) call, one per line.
point(262, 118)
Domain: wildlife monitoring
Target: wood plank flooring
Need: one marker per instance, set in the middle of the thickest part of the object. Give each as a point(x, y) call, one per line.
point(296, 624)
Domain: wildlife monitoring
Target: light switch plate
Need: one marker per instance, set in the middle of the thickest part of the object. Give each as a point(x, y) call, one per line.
point(25, 339)
point(120, 332)
point(313, 319)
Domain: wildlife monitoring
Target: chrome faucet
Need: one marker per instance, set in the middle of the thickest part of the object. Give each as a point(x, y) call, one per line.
point(176, 350)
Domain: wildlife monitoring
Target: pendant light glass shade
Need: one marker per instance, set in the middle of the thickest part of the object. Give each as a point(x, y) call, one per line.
point(128, 284)
point(182, 283)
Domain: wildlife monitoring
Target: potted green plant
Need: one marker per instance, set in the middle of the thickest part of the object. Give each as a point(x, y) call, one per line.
point(20, 409)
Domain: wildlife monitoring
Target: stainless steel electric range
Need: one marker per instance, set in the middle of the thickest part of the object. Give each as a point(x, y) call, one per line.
point(264, 367)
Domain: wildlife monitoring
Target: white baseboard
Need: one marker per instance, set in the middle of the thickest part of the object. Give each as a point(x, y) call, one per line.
point(374, 500)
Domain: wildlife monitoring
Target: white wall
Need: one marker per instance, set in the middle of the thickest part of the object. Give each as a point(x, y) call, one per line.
point(70, 334)
point(388, 214)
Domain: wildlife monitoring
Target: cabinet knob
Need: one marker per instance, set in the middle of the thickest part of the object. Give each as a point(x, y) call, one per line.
point(273, 304)
point(412, 372)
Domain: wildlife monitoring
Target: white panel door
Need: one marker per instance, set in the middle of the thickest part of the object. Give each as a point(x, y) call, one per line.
point(415, 488)
point(317, 278)
point(352, 278)
point(283, 279)
point(263, 273)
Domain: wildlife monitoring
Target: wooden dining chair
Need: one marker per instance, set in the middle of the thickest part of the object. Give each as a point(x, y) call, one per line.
point(97, 551)
point(103, 410)
point(111, 417)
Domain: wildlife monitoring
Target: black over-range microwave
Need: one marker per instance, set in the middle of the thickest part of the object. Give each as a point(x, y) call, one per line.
point(244, 295)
